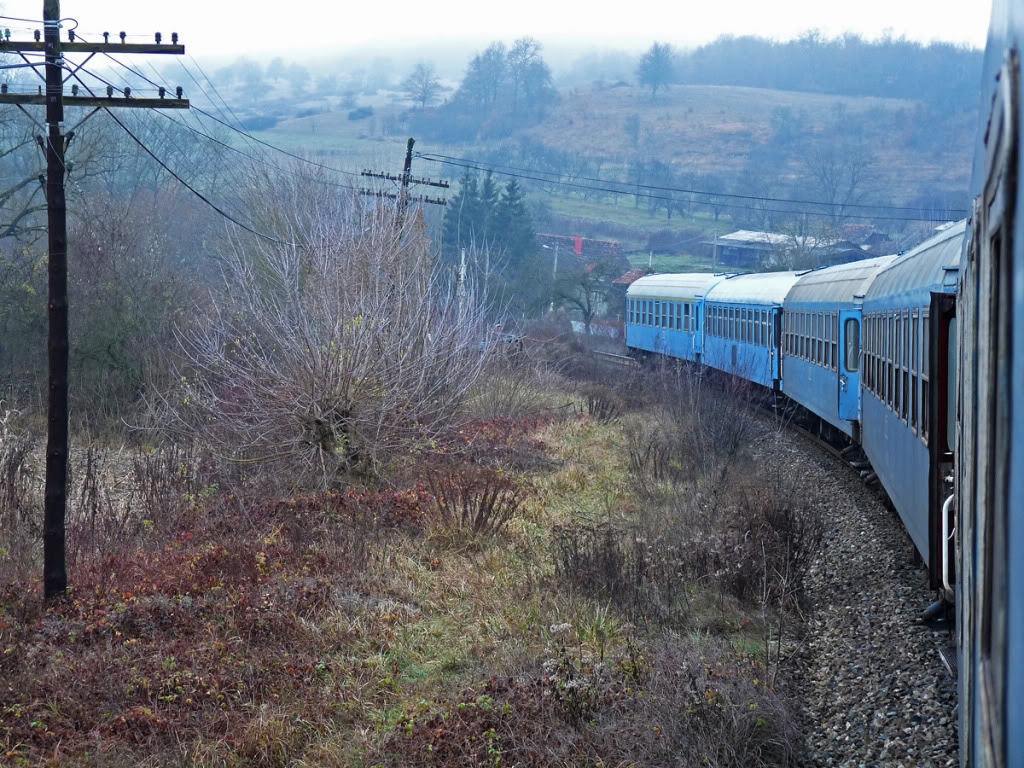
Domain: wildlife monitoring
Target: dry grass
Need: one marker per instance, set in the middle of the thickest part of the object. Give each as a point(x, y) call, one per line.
point(362, 628)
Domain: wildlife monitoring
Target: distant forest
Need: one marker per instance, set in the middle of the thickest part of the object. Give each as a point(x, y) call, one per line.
point(940, 73)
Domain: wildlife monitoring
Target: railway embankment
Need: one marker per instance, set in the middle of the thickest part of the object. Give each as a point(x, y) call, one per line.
point(872, 688)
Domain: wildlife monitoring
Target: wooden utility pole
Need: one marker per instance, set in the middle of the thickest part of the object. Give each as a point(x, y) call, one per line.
point(55, 578)
point(404, 181)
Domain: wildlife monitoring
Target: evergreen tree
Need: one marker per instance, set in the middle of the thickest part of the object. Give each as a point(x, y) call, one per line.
point(463, 219)
point(513, 227)
point(489, 199)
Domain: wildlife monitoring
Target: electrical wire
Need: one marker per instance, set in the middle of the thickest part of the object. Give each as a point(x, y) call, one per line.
point(788, 201)
point(41, 21)
point(671, 199)
point(241, 131)
point(193, 190)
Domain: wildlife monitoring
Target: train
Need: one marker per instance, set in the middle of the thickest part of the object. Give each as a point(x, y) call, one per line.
point(918, 359)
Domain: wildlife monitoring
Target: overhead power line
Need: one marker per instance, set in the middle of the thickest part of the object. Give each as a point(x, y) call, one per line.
point(494, 169)
point(193, 190)
point(706, 192)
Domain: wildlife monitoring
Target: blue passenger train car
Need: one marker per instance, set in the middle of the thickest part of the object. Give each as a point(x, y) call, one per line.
point(821, 341)
point(664, 314)
point(906, 397)
point(741, 330)
point(989, 448)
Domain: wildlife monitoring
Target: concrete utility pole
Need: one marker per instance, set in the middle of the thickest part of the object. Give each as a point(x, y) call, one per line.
point(55, 578)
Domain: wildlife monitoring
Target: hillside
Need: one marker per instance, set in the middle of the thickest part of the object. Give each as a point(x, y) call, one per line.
point(753, 140)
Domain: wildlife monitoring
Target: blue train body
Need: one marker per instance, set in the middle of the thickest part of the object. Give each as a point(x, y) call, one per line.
point(742, 325)
point(905, 433)
point(821, 341)
point(664, 314)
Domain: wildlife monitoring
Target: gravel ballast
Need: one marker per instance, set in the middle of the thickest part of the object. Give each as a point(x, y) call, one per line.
point(871, 686)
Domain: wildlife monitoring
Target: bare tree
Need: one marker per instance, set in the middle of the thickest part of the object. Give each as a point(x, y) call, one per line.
point(423, 86)
point(524, 54)
point(335, 350)
point(841, 175)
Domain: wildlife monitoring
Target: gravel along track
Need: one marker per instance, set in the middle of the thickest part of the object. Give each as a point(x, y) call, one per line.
point(872, 687)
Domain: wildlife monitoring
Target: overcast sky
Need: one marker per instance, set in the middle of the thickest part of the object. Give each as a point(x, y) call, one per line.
point(216, 28)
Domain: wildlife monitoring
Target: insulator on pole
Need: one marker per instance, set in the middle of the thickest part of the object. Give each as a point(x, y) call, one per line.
point(158, 38)
point(163, 91)
point(106, 38)
point(122, 35)
point(35, 34)
point(127, 92)
point(110, 91)
point(3, 87)
point(178, 91)
point(71, 35)
point(174, 37)
point(74, 89)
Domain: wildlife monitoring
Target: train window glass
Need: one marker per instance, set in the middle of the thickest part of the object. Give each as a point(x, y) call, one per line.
point(827, 340)
point(689, 318)
point(805, 343)
point(820, 340)
point(632, 311)
point(897, 376)
point(743, 325)
point(648, 313)
point(799, 334)
point(925, 373)
point(852, 345)
point(915, 366)
point(906, 366)
point(750, 326)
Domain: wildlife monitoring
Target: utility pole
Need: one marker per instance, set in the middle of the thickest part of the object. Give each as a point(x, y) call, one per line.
point(55, 578)
point(404, 181)
point(714, 252)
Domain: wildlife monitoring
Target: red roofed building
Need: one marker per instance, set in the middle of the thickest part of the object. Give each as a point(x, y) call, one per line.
point(585, 251)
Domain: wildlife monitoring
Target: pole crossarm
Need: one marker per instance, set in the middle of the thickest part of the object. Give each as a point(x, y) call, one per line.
point(96, 101)
point(413, 199)
point(411, 180)
point(40, 47)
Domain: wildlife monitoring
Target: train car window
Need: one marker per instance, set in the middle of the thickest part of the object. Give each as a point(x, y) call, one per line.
point(688, 318)
point(852, 345)
point(820, 339)
point(906, 366)
point(897, 376)
point(718, 321)
point(750, 326)
point(632, 311)
point(925, 375)
point(915, 366)
point(744, 325)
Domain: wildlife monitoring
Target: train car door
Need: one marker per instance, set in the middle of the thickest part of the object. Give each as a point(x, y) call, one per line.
point(849, 365)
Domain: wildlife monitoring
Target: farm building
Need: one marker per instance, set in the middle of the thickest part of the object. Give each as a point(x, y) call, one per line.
point(748, 249)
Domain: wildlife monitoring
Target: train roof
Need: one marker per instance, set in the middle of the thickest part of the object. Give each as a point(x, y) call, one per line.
point(689, 285)
point(768, 288)
point(843, 285)
point(911, 277)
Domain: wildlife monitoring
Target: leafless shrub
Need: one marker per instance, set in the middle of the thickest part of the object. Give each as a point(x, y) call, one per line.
point(515, 385)
point(654, 456)
point(476, 499)
point(335, 351)
point(602, 405)
point(20, 497)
